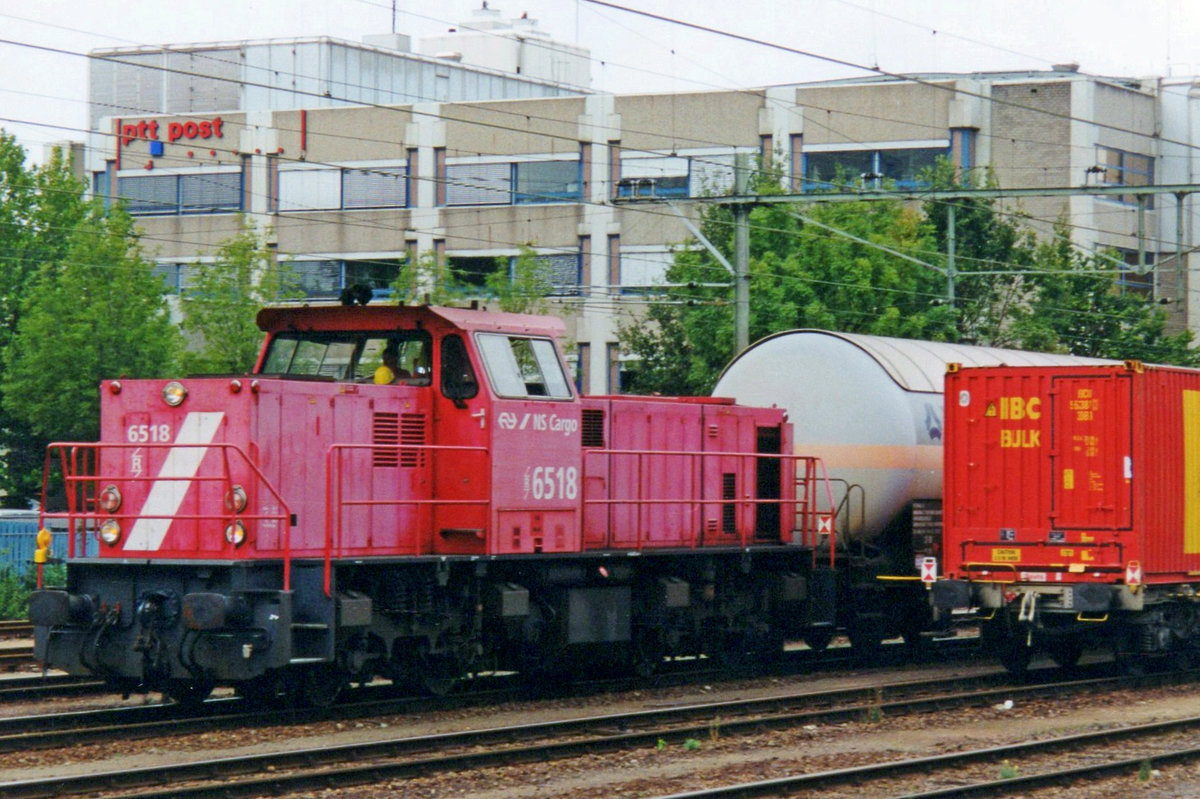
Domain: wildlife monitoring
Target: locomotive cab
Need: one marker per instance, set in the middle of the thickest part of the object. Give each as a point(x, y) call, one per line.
point(419, 493)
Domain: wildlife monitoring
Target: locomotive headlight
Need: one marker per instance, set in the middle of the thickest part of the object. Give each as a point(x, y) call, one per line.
point(110, 499)
point(235, 534)
point(110, 532)
point(235, 499)
point(174, 393)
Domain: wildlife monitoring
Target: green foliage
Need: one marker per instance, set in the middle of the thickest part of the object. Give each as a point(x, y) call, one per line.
point(1079, 309)
point(692, 745)
point(1009, 770)
point(15, 588)
point(97, 313)
point(39, 207)
point(526, 289)
point(424, 281)
point(804, 273)
point(220, 307)
point(880, 267)
point(994, 253)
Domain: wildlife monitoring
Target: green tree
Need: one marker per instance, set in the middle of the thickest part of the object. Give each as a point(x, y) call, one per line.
point(39, 209)
point(222, 302)
point(1079, 308)
point(97, 313)
point(526, 289)
point(835, 265)
point(994, 253)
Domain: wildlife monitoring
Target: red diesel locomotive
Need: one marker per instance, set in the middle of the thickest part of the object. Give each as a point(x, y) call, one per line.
point(1072, 509)
point(302, 528)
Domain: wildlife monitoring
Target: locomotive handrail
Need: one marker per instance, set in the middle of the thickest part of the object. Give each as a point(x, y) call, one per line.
point(805, 500)
point(81, 468)
point(334, 501)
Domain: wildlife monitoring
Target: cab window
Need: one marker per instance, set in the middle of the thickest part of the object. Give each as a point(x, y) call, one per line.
point(411, 350)
point(349, 355)
point(523, 367)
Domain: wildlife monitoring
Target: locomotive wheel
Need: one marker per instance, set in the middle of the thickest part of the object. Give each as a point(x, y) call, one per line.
point(1007, 645)
point(647, 655)
point(268, 690)
point(321, 685)
point(818, 638)
point(188, 693)
point(1065, 652)
point(866, 636)
point(440, 673)
point(1130, 661)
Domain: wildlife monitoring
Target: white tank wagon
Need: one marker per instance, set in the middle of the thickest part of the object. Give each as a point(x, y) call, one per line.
point(871, 408)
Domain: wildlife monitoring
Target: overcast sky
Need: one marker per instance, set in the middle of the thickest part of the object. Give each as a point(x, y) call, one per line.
point(43, 76)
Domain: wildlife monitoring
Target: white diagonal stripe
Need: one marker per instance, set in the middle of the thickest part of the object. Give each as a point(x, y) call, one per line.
point(174, 480)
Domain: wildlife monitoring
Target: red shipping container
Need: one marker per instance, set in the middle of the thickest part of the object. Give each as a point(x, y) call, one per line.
point(1073, 474)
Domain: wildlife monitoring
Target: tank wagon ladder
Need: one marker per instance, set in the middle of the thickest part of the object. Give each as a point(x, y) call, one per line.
point(813, 523)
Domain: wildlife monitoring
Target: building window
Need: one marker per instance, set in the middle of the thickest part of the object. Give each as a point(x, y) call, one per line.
point(333, 189)
point(310, 189)
point(474, 271)
point(560, 271)
point(1133, 281)
point(170, 274)
point(478, 184)
point(654, 176)
point(192, 193)
point(326, 279)
point(1121, 168)
point(840, 170)
point(548, 181)
point(210, 193)
point(644, 268)
point(962, 149)
point(382, 187)
point(508, 182)
point(149, 194)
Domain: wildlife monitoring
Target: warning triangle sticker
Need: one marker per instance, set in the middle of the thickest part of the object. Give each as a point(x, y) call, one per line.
point(991, 409)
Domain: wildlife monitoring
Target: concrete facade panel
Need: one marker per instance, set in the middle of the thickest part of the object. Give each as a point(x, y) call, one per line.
point(516, 127)
point(866, 113)
point(512, 226)
point(315, 232)
point(671, 122)
point(349, 134)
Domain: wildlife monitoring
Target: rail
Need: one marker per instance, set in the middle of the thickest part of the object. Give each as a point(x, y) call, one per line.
point(83, 481)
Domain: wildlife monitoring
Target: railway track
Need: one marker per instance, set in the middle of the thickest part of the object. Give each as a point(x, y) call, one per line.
point(146, 721)
point(1128, 750)
point(15, 628)
point(475, 750)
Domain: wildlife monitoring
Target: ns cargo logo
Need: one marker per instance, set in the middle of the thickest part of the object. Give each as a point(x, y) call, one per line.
point(550, 422)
